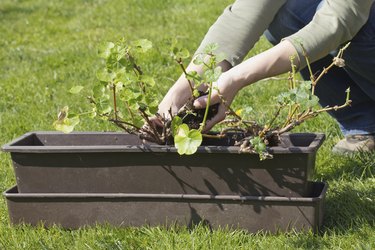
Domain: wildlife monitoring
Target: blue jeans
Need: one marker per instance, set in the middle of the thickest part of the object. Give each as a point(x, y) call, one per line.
point(358, 74)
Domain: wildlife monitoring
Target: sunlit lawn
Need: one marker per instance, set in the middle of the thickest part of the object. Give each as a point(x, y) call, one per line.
point(46, 47)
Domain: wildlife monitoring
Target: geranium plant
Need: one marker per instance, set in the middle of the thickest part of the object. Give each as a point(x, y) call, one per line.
point(125, 95)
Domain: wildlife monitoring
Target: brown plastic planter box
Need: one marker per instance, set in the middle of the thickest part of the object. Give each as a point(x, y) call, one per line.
point(52, 162)
point(252, 213)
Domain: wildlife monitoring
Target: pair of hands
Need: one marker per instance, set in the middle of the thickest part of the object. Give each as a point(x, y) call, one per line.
point(223, 92)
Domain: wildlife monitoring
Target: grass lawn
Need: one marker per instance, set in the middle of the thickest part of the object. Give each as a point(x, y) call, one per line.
point(46, 47)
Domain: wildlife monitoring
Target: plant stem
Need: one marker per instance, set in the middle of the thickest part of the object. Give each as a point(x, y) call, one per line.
point(325, 71)
point(137, 70)
point(267, 127)
point(207, 107)
point(290, 115)
point(124, 122)
point(308, 115)
point(154, 133)
point(231, 111)
point(179, 61)
point(114, 100)
point(218, 136)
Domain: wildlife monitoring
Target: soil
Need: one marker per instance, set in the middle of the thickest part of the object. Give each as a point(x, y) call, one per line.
point(194, 117)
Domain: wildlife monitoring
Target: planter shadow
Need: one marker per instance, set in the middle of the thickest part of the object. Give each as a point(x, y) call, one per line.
point(251, 213)
point(51, 162)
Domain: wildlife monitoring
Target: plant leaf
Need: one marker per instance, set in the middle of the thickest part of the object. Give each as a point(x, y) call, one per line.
point(258, 145)
point(183, 54)
point(105, 76)
point(210, 48)
point(65, 123)
point(143, 45)
point(104, 50)
point(194, 76)
point(75, 89)
point(313, 101)
point(199, 59)
point(176, 122)
point(187, 141)
point(212, 75)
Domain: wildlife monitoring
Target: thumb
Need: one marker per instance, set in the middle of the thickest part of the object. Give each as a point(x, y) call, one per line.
point(201, 102)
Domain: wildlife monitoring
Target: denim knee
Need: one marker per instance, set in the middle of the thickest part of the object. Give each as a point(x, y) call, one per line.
point(293, 16)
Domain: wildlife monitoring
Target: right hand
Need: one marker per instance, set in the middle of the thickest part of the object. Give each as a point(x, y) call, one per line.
point(225, 89)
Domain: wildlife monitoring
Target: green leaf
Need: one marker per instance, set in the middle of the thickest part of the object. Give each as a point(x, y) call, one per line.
point(98, 91)
point(284, 98)
point(93, 113)
point(182, 53)
point(105, 76)
point(210, 48)
point(75, 89)
point(199, 59)
point(194, 76)
point(313, 101)
point(104, 50)
point(142, 45)
point(177, 51)
point(306, 85)
point(148, 80)
point(176, 122)
point(152, 107)
point(138, 121)
point(187, 141)
point(65, 122)
point(129, 94)
point(196, 93)
point(68, 125)
point(258, 145)
point(103, 105)
point(212, 75)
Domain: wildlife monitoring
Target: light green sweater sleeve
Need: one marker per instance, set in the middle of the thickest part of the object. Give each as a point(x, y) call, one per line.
point(241, 24)
point(240, 27)
point(335, 23)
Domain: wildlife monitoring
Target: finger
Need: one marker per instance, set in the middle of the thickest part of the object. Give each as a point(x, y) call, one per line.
point(212, 122)
point(201, 102)
point(156, 121)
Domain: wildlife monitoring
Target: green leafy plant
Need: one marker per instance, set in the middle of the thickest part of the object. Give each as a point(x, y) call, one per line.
point(125, 95)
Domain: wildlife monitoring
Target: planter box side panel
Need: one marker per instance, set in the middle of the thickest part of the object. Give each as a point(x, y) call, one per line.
point(147, 172)
point(249, 213)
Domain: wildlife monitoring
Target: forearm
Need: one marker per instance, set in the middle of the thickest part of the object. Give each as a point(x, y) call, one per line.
point(271, 62)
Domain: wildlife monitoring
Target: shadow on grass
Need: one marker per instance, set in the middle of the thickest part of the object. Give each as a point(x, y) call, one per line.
point(12, 10)
point(349, 208)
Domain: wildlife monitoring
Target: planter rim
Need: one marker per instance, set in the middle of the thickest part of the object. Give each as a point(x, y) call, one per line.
point(10, 147)
point(13, 193)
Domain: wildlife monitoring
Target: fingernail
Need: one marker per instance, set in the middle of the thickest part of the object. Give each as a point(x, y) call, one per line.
point(197, 104)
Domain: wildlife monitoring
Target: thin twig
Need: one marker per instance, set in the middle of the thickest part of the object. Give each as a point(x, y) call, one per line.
point(179, 61)
point(268, 126)
point(114, 100)
point(124, 122)
point(155, 132)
